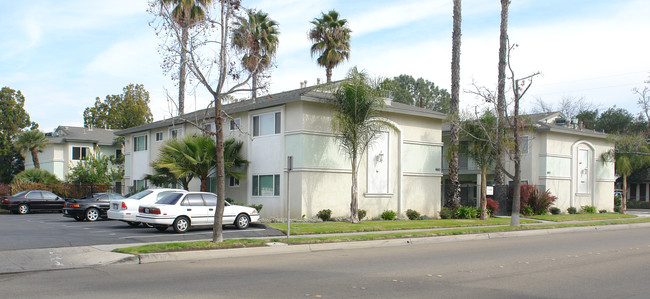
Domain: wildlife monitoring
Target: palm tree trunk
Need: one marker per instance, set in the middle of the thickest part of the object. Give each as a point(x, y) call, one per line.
point(37, 164)
point(254, 91)
point(328, 73)
point(499, 177)
point(624, 197)
point(516, 199)
point(484, 214)
point(182, 72)
point(354, 202)
point(453, 198)
point(204, 184)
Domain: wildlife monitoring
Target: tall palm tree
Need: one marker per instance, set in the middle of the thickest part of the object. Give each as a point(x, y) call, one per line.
point(33, 141)
point(186, 13)
point(257, 36)
point(331, 38)
point(453, 197)
point(356, 102)
point(193, 155)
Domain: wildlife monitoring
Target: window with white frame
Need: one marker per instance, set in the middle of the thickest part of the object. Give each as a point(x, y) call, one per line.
point(266, 185)
point(173, 133)
point(233, 181)
point(234, 124)
point(79, 152)
point(524, 144)
point(140, 143)
point(159, 136)
point(266, 124)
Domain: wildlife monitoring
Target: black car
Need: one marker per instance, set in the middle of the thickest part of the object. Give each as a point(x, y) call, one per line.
point(91, 207)
point(32, 200)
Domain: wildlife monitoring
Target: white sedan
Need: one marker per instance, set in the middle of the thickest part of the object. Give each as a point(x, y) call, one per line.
point(126, 209)
point(184, 210)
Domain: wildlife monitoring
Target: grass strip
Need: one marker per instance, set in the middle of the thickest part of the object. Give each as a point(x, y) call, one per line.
point(240, 243)
point(331, 227)
point(581, 217)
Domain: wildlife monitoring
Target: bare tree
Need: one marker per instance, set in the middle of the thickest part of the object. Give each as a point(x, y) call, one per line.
point(569, 106)
point(453, 195)
point(209, 51)
point(644, 99)
point(499, 177)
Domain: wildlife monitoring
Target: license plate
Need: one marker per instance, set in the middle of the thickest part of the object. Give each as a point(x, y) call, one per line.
point(146, 210)
point(115, 206)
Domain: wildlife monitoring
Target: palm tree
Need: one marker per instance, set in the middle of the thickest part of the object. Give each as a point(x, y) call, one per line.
point(257, 36)
point(33, 141)
point(186, 13)
point(233, 161)
point(453, 197)
point(331, 38)
point(356, 102)
point(480, 150)
point(193, 155)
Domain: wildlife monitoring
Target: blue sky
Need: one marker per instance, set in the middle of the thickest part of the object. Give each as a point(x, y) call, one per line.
point(64, 54)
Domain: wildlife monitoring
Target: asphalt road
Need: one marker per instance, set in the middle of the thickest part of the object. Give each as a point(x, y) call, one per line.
point(50, 230)
point(599, 264)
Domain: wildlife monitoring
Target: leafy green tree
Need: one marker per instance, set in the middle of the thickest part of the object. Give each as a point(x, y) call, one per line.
point(32, 141)
point(614, 120)
point(589, 118)
point(186, 14)
point(422, 93)
point(480, 132)
point(14, 119)
point(126, 110)
point(630, 152)
point(331, 38)
point(95, 168)
point(257, 36)
point(35, 176)
point(194, 155)
point(356, 102)
point(162, 177)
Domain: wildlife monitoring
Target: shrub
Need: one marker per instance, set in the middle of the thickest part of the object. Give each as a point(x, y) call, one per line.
point(466, 213)
point(617, 209)
point(540, 201)
point(388, 215)
point(412, 214)
point(527, 211)
point(602, 211)
point(572, 210)
point(492, 207)
point(447, 213)
point(618, 200)
point(425, 217)
point(362, 214)
point(525, 191)
point(555, 210)
point(324, 215)
point(257, 207)
point(588, 209)
point(35, 176)
point(635, 204)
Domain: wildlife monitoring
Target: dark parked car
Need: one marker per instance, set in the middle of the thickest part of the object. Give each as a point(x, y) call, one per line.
point(91, 207)
point(32, 200)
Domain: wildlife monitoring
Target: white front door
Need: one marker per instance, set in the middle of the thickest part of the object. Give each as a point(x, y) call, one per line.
point(378, 165)
point(583, 171)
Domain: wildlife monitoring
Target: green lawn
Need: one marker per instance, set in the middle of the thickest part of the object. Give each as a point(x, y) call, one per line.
point(581, 217)
point(331, 227)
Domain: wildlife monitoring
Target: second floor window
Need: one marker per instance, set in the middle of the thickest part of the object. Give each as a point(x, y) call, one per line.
point(140, 143)
point(159, 136)
point(266, 124)
point(79, 153)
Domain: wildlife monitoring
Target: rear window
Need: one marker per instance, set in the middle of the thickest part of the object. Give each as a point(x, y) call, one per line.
point(21, 193)
point(170, 199)
point(140, 194)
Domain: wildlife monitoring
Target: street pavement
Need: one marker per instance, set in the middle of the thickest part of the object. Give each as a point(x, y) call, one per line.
point(16, 261)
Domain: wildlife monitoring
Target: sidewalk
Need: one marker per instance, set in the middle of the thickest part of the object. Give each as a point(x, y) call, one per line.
point(16, 261)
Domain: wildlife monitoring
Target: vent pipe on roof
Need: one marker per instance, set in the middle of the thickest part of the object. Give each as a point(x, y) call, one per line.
point(318, 81)
point(302, 85)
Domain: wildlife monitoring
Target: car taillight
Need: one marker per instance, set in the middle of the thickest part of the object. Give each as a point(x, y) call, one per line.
point(124, 205)
point(154, 211)
point(70, 205)
point(6, 201)
point(141, 210)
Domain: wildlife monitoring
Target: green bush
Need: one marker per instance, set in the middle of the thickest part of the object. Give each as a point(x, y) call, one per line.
point(572, 210)
point(527, 211)
point(324, 215)
point(466, 213)
point(618, 200)
point(412, 214)
point(617, 209)
point(602, 211)
point(447, 213)
point(555, 210)
point(588, 209)
point(362, 214)
point(635, 204)
point(388, 215)
point(425, 217)
point(540, 201)
point(257, 207)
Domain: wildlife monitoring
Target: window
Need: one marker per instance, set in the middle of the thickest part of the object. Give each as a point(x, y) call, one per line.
point(173, 133)
point(159, 136)
point(266, 185)
point(266, 124)
point(234, 124)
point(118, 153)
point(233, 181)
point(79, 153)
point(140, 143)
point(194, 200)
point(524, 144)
point(210, 200)
point(139, 185)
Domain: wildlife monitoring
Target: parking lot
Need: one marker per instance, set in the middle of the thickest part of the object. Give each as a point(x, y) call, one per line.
point(50, 230)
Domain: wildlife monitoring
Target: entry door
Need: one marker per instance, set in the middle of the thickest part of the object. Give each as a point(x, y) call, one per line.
point(583, 171)
point(378, 165)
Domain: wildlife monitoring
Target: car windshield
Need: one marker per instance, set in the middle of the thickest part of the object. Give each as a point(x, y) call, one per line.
point(21, 193)
point(170, 199)
point(140, 194)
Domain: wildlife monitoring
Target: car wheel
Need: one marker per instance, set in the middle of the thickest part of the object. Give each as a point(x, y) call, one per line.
point(242, 221)
point(133, 223)
point(181, 224)
point(79, 218)
point(161, 228)
point(23, 209)
point(92, 214)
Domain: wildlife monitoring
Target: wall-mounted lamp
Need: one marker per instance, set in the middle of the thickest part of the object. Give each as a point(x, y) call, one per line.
point(380, 157)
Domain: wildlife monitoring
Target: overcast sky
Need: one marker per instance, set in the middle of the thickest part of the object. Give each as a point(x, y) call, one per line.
point(64, 54)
